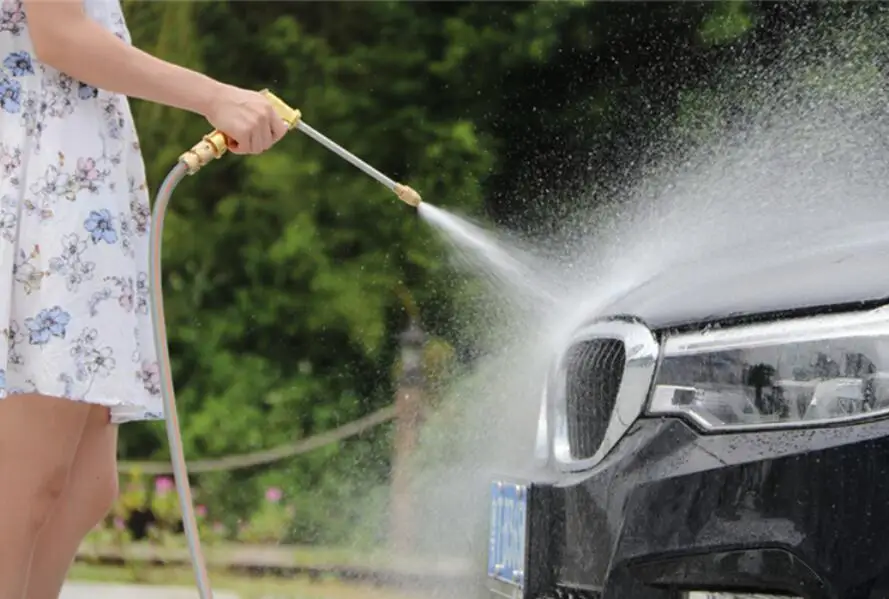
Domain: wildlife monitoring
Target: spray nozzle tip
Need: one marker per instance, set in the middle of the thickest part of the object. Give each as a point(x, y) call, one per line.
point(407, 195)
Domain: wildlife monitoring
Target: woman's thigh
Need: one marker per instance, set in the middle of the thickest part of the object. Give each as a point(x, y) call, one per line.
point(92, 484)
point(89, 494)
point(39, 437)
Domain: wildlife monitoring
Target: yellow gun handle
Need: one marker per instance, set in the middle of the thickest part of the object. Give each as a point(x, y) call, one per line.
point(214, 144)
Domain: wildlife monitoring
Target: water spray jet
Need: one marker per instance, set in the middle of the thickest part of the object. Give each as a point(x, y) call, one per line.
point(213, 146)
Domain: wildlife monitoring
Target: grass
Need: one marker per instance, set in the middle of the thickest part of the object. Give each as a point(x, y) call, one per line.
point(228, 552)
point(247, 587)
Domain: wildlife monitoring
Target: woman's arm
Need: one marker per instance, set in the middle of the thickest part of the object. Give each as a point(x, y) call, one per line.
point(65, 38)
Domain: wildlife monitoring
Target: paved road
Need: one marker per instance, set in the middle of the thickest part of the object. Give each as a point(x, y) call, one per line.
point(82, 590)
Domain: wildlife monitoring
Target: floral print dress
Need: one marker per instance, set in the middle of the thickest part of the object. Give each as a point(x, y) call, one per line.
point(74, 233)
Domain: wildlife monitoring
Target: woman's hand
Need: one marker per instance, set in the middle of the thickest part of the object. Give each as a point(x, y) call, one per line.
point(248, 120)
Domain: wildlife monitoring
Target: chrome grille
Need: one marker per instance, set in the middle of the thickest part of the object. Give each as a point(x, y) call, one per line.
point(594, 371)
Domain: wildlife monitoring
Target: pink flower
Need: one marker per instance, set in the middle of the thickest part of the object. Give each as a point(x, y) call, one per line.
point(273, 494)
point(150, 376)
point(163, 485)
point(12, 13)
point(119, 524)
point(126, 297)
point(201, 510)
point(86, 169)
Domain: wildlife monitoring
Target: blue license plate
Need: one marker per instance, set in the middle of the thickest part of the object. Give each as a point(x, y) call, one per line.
point(509, 525)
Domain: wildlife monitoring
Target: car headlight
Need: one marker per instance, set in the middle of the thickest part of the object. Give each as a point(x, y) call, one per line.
point(797, 372)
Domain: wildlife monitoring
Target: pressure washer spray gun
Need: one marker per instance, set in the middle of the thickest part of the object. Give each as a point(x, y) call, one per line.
point(211, 147)
point(215, 145)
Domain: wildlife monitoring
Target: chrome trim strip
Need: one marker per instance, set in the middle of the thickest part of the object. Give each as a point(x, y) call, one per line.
point(798, 330)
point(641, 359)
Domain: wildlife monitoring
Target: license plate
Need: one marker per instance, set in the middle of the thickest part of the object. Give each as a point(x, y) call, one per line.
point(509, 525)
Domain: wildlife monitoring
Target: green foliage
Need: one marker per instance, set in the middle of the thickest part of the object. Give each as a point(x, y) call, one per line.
point(729, 20)
point(270, 522)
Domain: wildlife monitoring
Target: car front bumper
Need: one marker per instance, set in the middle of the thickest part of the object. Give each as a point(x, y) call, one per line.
point(789, 512)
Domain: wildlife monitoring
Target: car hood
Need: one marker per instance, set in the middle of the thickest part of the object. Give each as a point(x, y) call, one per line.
point(841, 266)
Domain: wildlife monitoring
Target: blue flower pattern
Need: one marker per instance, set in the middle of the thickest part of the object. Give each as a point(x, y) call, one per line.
point(85, 92)
point(100, 226)
point(19, 63)
point(74, 233)
point(47, 324)
point(10, 95)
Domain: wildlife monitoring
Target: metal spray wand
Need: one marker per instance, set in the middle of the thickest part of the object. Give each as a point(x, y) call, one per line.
point(211, 147)
point(215, 145)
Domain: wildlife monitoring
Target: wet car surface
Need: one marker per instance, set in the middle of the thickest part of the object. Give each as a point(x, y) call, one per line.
point(723, 428)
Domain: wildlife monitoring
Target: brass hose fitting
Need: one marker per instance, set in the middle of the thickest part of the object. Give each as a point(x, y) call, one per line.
point(407, 195)
point(215, 144)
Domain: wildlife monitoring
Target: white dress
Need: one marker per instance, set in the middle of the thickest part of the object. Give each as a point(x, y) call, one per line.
point(74, 233)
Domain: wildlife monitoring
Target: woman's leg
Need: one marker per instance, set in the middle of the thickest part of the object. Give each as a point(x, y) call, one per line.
point(87, 498)
point(38, 441)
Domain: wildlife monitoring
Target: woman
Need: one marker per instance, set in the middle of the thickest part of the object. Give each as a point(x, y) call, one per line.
point(74, 219)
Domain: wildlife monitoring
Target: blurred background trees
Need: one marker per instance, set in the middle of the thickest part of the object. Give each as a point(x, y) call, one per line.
point(288, 276)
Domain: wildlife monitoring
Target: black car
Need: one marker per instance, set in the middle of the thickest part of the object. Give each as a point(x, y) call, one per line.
point(723, 428)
